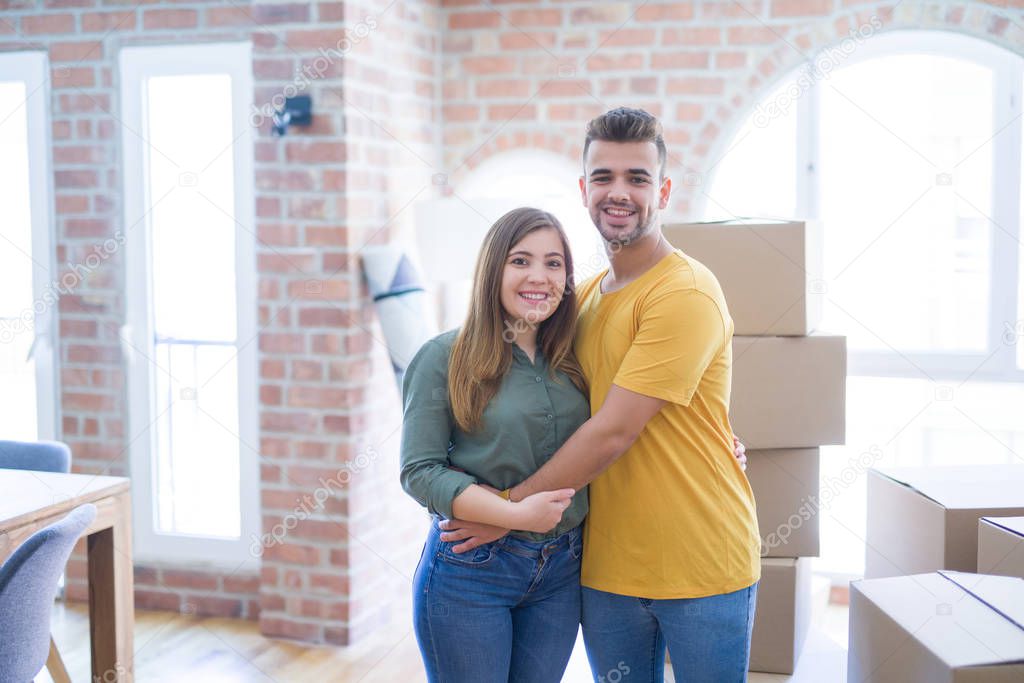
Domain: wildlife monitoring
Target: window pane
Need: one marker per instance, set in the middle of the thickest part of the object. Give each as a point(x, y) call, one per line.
point(17, 373)
point(906, 178)
point(197, 459)
point(906, 423)
point(756, 175)
point(191, 189)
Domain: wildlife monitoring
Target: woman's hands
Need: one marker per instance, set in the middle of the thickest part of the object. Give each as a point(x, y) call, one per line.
point(740, 451)
point(542, 511)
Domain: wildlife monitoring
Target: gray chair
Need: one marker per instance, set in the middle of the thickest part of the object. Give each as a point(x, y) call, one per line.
point(28, 585)
point(42, 456)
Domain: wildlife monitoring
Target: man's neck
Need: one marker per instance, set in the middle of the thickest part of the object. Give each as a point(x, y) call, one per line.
point(630, 262)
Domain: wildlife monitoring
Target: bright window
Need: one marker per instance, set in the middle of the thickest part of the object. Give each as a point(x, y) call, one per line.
point(27, 293)
point(191, 299)
point(910, 155)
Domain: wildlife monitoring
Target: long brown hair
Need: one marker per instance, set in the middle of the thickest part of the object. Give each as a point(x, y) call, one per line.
point(481, 356)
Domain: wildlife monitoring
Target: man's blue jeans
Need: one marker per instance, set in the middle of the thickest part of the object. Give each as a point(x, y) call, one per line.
point(506, 611)
point(708, 638)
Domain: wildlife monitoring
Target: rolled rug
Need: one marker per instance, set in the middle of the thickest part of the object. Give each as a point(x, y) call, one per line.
point(401, 303)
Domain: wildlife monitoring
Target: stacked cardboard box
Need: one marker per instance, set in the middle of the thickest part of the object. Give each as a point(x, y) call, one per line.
point(922, 519)
point(1001, 546)
point(940, 626)
point(788, 399)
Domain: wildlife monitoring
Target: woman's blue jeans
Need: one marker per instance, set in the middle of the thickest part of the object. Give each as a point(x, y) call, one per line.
point(506, 611)
point(708, 638)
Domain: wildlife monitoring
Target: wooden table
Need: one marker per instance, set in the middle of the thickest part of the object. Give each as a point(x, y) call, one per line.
point(31, 500)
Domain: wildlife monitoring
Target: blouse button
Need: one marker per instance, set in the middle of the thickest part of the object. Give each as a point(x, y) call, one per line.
point(538, 379)
point(550, 417)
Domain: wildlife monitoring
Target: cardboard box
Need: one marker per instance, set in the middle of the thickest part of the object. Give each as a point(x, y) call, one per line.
point(785, 483)
point(783, 614)
point(769, 271)
point(942, 627)
point(1001, 546)
point(922, 519)
point(789, 392)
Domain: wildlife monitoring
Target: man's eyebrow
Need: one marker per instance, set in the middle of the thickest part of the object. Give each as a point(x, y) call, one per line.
point(632, 171)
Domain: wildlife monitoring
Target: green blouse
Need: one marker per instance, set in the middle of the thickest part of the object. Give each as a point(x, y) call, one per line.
point(529, 418)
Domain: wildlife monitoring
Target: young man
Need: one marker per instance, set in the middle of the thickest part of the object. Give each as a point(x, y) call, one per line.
point(671, 545)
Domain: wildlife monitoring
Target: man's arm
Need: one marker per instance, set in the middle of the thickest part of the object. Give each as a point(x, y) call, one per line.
point(598, 443)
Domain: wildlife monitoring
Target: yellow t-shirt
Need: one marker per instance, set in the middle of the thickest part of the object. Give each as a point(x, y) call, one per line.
point(674, 516)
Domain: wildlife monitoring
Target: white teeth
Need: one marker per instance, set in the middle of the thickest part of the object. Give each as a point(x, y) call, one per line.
point(535, 297)
point(618, 212)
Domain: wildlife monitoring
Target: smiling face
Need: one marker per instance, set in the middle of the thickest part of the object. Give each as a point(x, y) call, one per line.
point(623, 190)
point(533, 279)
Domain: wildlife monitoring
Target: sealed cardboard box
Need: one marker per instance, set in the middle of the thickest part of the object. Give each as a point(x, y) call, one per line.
point(789, 392)
point(1001, 546)
point(783, 614)
point(942, 627)
point(769, 271)
point(922, 519)
point(785, 483)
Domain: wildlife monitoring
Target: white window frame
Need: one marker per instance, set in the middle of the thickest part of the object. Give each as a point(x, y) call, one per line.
point(998, 362)
point(32, 68)
point(136, 65)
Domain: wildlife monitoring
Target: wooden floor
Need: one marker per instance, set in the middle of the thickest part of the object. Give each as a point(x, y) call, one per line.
point(172, 647)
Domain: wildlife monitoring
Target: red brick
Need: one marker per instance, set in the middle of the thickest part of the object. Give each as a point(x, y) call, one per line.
point(80, 154)
point(695, 86)
point(730, 60)
point(535, 17)
point(248, 584)
point(319, 289)
point(79, 51)
point(627, 37)
point(47, 23)
point(754, 35)
point(509, 112)
point(287, 422)
point(306, 370)
point(101, 22)
point(285, 628)
point(322, 317)
point(801, 8)
point(68, 77)
point(229, 16)
point(313, 39)
point(280, 234)
point(504, 87)
point(671, 11)
point(470, 20)
point(688, 111)
point(169, 18)
point(173, 578)
point(69, 425)
point(158, 600)
point(609, 13)
point(210, 606)
point(87, 402)
point(272, 69)
point(307, 207)
point(315, 152)
point(78, 328)
point(613, 62)
point(292, 553)
point(691, 36)
point(534, 40)
point(270, 395)
point(461, 112)
point(481, 66)
point(317, 397)
point(271, 342)
point(272, 369)
point(284, 181)
point(72, 203)
point(680, 60)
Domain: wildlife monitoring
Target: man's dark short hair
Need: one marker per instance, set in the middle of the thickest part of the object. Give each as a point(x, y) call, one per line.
point(627, 125)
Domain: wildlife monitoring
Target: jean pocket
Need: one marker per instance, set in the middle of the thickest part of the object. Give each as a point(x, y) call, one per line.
point(576, 548)
point(480, 556)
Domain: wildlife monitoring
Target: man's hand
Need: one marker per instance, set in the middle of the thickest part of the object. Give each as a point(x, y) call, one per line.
point(474, 534)
point(740, 451)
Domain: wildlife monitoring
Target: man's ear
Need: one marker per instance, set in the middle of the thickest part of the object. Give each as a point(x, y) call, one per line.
point(583, 190)
point(665, 192)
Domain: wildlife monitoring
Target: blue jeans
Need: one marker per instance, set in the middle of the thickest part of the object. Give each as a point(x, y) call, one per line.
point(506, 611)
point(708, 638)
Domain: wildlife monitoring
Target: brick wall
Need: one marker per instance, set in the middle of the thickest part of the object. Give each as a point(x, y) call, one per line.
point(532, 73)
point(328, 402)
point(419, 94)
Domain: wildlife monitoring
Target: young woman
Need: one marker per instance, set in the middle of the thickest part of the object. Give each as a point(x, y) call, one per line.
point(494, 400)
